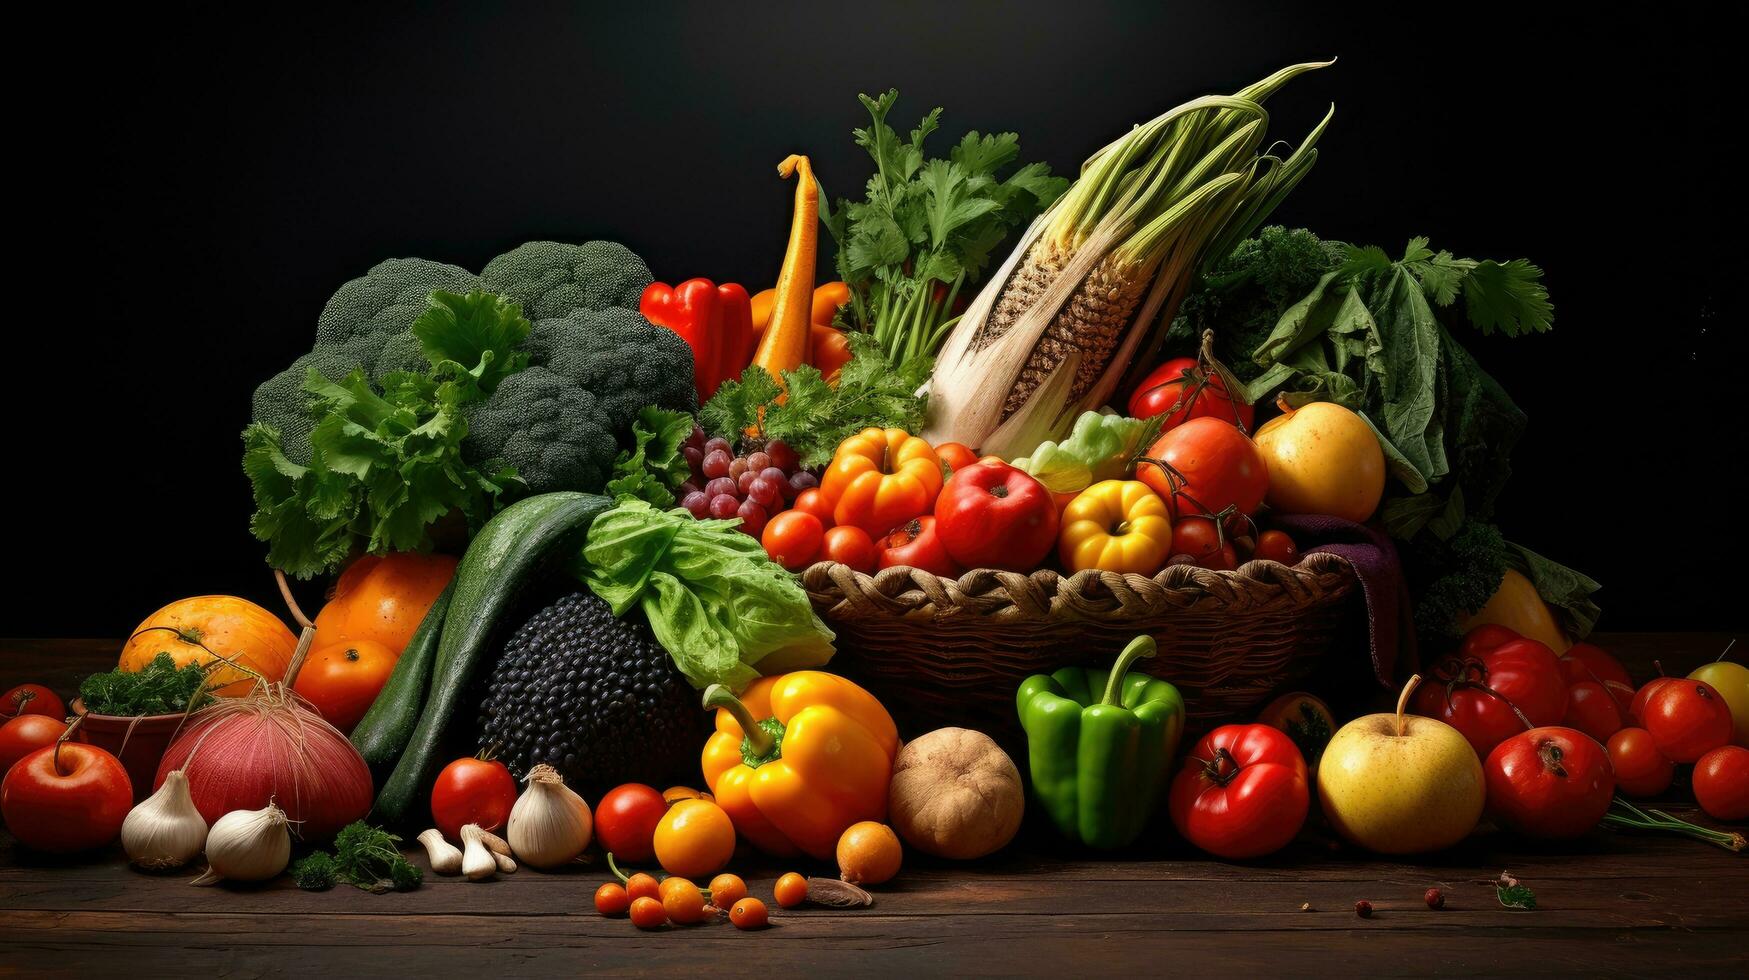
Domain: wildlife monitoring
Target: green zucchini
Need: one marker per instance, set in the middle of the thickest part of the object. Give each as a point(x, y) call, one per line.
point(384, 730)
point(501, 559)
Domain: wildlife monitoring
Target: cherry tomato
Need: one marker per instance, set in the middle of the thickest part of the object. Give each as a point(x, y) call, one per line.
point(850, 545)
point(1181, 387)
point(648, 913)
point(1637, 707)
point(1687, 719)
point(1242, 792)
point(1721, 783)
point(792, 538)
point(469, 791)
point(31, 699)
point(1198, 538)
point(1210, 466)
point(915, 544)
point(1592, 710)
point(25, 734)
point(813, 501)
point(992, 515)
point(682, 901)
point(695, 838)
point(342, 679)
point(626, 819)
point(1640, 769)
point(1277, 546)
point(1476, 694)
point(641, 885)
point(749, 913)
point(791, 890)
point(955, 456)
point(1554, 783)
point(727, 889)
point(611, 899)
point(66, 797)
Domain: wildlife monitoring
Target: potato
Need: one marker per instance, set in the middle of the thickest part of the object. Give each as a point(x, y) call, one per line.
point(956, 794)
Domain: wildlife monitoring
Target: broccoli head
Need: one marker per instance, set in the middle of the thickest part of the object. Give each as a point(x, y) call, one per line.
point(1243, 294)
point(593, 360)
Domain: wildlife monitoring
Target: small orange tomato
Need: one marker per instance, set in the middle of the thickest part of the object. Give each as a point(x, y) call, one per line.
point(682, 901)
point(647, 913)
point(813, 501)
point(957, 455)
point(642, 885)
point(383, 598)
point(749, 913)
point(727, 889)
point(791, 890)
point(343, 679)
point(851, 546)
point(694, 839)
point(881, 478)
point(792, 539)
point(611, 899)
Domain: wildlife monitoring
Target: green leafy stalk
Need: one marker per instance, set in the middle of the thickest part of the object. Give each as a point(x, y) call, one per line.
point(654, 466)
point(1623, 815)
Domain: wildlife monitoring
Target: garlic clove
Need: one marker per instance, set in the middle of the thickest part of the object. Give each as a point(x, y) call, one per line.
point(446, 858)
point(550, 825)
point(247, 845)
point(477, 861)
point(165, 830)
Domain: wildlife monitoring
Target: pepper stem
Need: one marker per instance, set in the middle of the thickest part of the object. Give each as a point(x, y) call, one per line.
point(1139, 648)
point(760, 740)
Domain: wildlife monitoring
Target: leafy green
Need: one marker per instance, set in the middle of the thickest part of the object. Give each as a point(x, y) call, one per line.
point(812, 416)
point(364, 856)
point(386, 466)
point(654, 466)
point(715, 601)
point(159, 688)
point(925, 225)
point(1101, 447)
point(315, 872)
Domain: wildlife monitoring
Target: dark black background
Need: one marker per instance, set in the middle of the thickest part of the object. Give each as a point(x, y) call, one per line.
point(197, 180)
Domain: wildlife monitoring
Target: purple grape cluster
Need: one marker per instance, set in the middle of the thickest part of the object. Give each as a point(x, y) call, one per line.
point(754, 487)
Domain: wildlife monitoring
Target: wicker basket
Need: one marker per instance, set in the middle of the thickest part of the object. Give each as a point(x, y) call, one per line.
point(944, 652)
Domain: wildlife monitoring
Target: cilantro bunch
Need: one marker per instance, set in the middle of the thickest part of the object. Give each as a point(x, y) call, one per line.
point(364, 856)
point(927, 229)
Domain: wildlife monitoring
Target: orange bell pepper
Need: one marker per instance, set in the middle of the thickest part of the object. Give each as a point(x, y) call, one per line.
point(798, 758)
point(881, 478)
point(828, 347)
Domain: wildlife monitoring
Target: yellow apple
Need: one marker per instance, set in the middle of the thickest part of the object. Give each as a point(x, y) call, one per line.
point(1731, 680)
point(1400, 783)
point(1323, 459)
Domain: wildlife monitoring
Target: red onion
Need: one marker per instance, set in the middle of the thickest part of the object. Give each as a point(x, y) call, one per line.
point(271, 746)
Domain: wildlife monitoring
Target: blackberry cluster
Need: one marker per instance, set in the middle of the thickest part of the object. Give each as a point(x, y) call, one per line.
point(595, 697)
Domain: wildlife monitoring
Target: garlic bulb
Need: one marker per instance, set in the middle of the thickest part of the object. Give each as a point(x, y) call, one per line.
point(164, 830)
point(478, 864)
point(247, 845)
point(550, 824)
point(445, 858)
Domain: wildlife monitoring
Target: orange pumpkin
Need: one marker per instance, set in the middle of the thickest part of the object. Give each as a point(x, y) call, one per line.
point(193, 630)
point(382, 598)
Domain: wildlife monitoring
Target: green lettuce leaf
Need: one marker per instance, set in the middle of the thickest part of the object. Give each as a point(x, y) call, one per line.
point(1100, 447)
point(654, 466)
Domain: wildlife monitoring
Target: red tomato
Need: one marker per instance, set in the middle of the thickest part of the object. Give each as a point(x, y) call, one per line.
point(626, 819)
point(991, 515)
point(342, 679)
point(792, 538)
point(955, 456)
point(813, 501)
point(1180, 387)
point(851, 546)
point(70, 797)
point(1484, 638)
point(916, 545)
point(1197, 537)
point(1277, 546)
point(31, 699)
point(1687, 719)
point(1209, 466)
point(469, 791)
point(1637, 707)
point(1553, 783)
point(1242, 792)
point(1721, 783)
point(1592, 710)
point(1640, 769)
point(1589, 662)
point(25, 734)
point(1477, 694)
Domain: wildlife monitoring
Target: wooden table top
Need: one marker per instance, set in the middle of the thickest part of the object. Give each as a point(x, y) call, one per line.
point(1609, 904)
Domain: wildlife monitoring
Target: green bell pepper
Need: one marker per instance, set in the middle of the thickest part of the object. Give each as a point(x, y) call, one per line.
point(1100, 745)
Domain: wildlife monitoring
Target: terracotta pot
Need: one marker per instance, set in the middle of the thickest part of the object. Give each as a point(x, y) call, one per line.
point(143, 749)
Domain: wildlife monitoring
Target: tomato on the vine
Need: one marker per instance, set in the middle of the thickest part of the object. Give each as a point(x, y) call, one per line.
point(1640, 769)
point(1187, 391)
point(1687, 719)
point(1204, 467)
point(1276, 546)
point(1199, 538)
point(472, 790)
point(1483, 695)
point(1242, 793)
point(31, 699)
point(1721, 783)
point(1554, 783)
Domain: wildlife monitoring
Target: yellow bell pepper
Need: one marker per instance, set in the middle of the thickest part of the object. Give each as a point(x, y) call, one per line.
point(1518, 606)
point(798, 758)
point(1116, 526)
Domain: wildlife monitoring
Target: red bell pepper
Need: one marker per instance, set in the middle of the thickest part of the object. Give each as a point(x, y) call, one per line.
point(715, 321)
